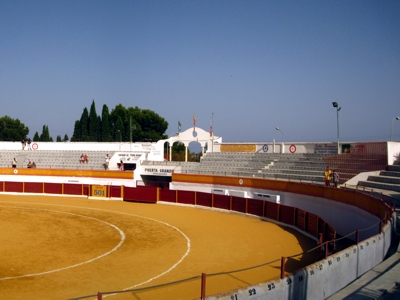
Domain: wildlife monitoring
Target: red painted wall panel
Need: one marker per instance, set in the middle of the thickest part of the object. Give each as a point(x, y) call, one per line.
point(53, 188)
point(221, 201)
point(204, 199)
point(186, 197)
point(86, 190)
point(72, 189)
point(115, 191)
point(33, 187)
point(312, 224)
point(239, 204)
point(287, 214)
point(168, 195)
point(301, 219)
point(271, 210)
point(16, 187)
point(141, 194)
point(255, 207)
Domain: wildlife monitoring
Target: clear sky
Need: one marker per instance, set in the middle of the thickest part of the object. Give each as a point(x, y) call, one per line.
point(253, 65)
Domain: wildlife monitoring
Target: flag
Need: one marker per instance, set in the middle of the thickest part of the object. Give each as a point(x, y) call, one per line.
point(194, 123)
point(179, 126)
point(211, 129)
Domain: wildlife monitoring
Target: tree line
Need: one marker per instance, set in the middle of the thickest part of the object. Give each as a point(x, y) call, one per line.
point(121, 125)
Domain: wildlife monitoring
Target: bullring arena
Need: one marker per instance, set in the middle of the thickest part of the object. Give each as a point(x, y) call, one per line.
point(165, 231)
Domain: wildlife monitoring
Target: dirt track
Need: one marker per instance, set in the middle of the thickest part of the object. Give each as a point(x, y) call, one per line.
point(61, 248)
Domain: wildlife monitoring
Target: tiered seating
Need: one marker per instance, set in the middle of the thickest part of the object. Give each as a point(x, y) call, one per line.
point(54, 159)
point(387, 180)
point(303, 167)
point(349, 165)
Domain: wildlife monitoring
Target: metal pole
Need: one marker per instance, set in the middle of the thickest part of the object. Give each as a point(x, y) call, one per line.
point(337, 110)
point(212, 136)
point(203, 286)
point(130, 133)
point(391, 128)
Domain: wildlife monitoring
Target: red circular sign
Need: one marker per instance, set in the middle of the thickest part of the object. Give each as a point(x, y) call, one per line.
point(35, 146)
point(292, 148)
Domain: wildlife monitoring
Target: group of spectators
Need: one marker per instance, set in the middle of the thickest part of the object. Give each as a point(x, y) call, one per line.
point(331, 177)
point(30, 165)
point(25, 142)
point(120, 164)
point(84, 158)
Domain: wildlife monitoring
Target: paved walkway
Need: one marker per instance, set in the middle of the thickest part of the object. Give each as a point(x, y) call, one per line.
point(381, 282)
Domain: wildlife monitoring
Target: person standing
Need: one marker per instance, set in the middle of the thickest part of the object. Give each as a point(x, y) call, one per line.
point(14, 163)
point(121, 165)
point(29, 141)
point(23, 143)
point(328, 176)
point(335, 177)
point(107, 162)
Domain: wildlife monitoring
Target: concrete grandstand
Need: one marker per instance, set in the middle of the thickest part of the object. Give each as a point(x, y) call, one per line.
point(246, 171)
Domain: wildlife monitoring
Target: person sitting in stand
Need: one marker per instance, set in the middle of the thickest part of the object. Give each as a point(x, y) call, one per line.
point(85, 158)
point(33, 165)
point(29, 165)
point(82, 159)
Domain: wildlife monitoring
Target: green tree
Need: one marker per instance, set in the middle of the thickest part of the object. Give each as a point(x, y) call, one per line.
point(12, 130)
point(98, 133)
point(84, 125)
point(45, 136)
point(119, 130)
point(76, 136)
point(36, 137)
point(93, 126)
point(66, 138)
point(58, 138)
point(122, 124)
point(105, 125)
point(145, 125)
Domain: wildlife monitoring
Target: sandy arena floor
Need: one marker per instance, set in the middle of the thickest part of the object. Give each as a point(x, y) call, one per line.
point(63, 248)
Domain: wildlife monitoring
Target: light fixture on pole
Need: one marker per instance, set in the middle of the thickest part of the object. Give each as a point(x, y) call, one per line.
point(283, 144)
point(335, 104)
point(120, 139)
point(391, 128)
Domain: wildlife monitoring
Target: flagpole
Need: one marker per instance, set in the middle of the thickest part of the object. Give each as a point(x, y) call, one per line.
point(212, 126)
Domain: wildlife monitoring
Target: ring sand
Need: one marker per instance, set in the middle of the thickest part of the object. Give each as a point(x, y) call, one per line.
point(162, 244)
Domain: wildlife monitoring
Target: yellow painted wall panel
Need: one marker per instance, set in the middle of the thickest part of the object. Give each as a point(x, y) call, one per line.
point(238, 148)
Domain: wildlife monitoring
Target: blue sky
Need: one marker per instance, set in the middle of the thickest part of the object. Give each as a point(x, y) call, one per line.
point(254, 65)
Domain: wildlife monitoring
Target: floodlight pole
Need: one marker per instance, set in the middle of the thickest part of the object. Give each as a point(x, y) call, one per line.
point(283, 143)
point(336, 105)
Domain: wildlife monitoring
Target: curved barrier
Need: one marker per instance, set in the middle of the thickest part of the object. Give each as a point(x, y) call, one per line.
point(319, 280)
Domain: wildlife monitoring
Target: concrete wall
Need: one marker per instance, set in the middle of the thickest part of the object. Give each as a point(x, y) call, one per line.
point(81, 146)
point(70, 179)
point(326, 277)
point(319, 280)
point(343, 217)
point(393, 152)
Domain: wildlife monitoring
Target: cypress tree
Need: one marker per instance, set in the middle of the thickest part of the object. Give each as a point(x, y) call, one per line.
point(93, 124)
point(84, 125)
point(105, 125)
